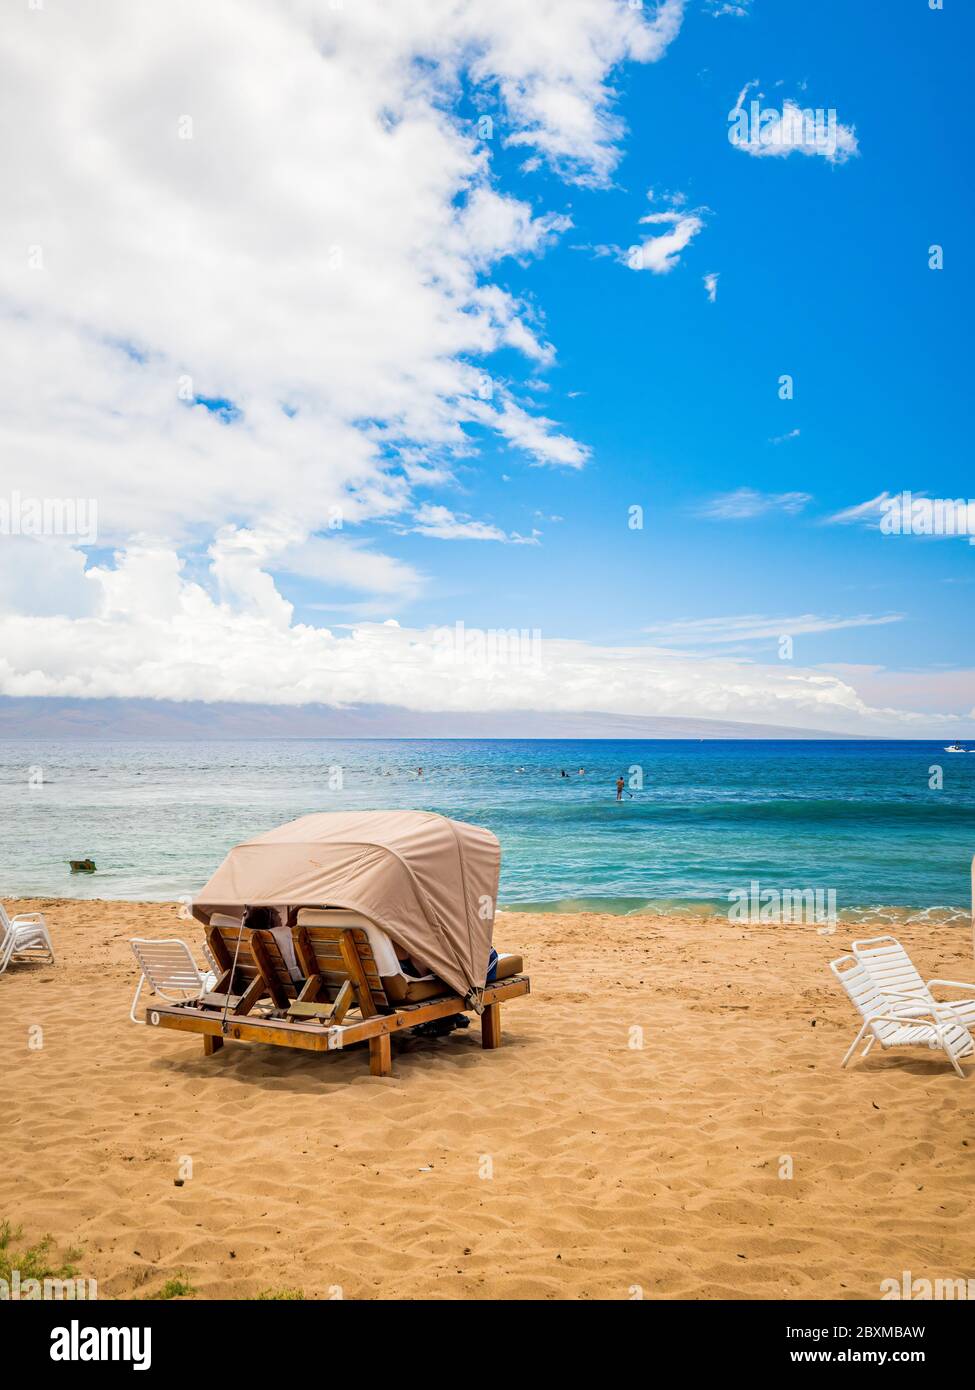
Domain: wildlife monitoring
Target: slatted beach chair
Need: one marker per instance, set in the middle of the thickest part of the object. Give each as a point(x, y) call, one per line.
point(893, 972)
point(24, 937)
point(338, 999)
point(321, 895)
point(168, 966)
point(898, 1022)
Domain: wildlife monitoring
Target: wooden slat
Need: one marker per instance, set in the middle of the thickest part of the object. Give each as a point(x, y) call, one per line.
point(223, 982)
point(226, 950)
point(300, 1008)
point(409, 1015)
point(330, 947)
point(357, 975)
point(329, 953)
point(343, 1002)
point(219, 1000)
point(254, 991)
point(305, 953)
point(275, 958)
point(273, 984)
point(314, 1037)
point(278, 1033)
point(309, 990)
point(220, 953)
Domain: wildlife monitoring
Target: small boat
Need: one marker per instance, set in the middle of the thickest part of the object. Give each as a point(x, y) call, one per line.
point(955, 748)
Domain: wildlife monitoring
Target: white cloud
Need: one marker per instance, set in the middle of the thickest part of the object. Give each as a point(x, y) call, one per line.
point(346, 563)
point(711, 286)
point(868, 512)
point(912, 513)
point(746, 502)
point(554, 86)
point(43, 578)
point(440, 522)
point(927, 691)
point(533, 434)
point(740, 9)
point(318, 253)
point(660, 254)
point(784, 438)
point(152, 632)
point(753, 627)
point(492, 226)
point(790, 129)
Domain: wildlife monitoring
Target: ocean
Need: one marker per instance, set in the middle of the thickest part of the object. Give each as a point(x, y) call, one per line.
point(699, 820)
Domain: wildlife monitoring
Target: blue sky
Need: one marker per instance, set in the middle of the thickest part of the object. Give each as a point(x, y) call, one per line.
point(823, 274)
point(260, 294)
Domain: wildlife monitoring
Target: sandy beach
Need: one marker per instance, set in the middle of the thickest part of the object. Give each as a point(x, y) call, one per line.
point(569, 1164)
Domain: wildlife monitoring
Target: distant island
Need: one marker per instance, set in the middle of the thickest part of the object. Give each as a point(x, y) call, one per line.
point(46, 717)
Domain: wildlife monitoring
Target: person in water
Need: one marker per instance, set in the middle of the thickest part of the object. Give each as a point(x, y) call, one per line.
point(619, 788)
point(564, 773)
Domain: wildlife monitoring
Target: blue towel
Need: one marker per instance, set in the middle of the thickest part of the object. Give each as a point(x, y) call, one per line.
point(492, 966)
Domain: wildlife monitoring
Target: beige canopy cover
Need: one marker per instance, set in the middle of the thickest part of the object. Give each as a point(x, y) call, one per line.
point(429, 882)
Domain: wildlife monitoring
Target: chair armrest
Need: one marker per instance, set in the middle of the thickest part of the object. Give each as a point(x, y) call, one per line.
point(26, 918)
point(926, 1017)
point(954, 984)
point(906, 998)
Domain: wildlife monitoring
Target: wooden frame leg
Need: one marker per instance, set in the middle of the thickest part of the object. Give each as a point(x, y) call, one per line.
point(491, 1026)
point(380, 1055)
point(211, 1044)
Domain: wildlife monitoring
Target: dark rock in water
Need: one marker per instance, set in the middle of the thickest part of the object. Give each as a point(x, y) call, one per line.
point(82, 866)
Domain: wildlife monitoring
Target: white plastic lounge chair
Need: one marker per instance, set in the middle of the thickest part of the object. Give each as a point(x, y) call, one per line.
point(24, 937)
point(896, 1022)
point(170, 969)
point(893, 971)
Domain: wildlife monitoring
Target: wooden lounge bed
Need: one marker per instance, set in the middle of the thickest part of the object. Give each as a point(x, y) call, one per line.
point(340, 999)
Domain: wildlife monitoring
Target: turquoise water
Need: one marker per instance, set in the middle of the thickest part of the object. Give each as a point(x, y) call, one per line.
point(855, 817)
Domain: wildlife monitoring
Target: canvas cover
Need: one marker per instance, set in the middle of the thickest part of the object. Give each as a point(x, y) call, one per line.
point(430, 882)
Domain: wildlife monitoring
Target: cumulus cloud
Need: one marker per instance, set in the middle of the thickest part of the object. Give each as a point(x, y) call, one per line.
point(790, 129)
point(248, 277)
point(927, 691)
point(747, 502)
point(151, 631)
point(565, 107)
point(711, 287)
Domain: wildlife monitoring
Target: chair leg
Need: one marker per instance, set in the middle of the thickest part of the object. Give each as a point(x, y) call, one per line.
point(380, 1055)
point(949, 1054)
point(135, 1000)
point(853, 1045)
point(211, 1044)
point(491, 1026)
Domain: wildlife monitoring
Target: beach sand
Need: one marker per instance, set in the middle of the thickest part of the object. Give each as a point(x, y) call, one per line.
point(568, 1164)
